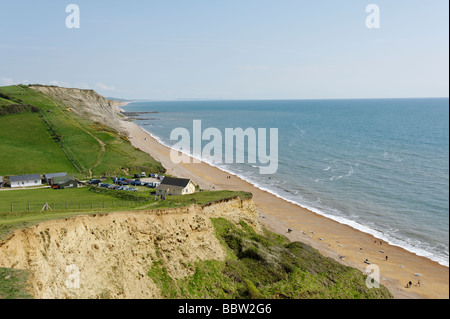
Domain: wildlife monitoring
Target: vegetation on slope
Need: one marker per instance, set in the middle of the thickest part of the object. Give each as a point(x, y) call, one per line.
point(13, 284)
point(266, 266)
point(85, 148)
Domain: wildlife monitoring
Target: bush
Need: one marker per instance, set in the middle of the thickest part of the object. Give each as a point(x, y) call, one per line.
point(18, 108)
point(5, 96)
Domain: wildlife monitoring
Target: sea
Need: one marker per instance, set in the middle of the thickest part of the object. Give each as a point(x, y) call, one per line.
point(378, 165)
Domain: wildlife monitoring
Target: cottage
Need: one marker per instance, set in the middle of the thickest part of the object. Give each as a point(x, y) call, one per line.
point(63, 182)
point(175, 186)
point(25, 180)
point(48, 177)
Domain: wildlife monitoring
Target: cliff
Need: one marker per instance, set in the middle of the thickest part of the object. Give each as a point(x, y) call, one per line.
point(112, 253)
point(86, 103)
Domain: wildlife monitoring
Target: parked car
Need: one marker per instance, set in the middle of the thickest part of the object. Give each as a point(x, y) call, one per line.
point(136, 176)
point(94, 182)
point(132, 189)
point(143, 174)
point(136, 183)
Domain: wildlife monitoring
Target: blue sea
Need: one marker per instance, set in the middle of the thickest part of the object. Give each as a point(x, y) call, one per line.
point(378, 165)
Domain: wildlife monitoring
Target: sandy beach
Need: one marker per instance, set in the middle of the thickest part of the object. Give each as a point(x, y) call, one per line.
point(338, 241)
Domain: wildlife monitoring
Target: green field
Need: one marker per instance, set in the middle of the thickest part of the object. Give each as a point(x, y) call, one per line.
point(55, 140)
point(27, 147)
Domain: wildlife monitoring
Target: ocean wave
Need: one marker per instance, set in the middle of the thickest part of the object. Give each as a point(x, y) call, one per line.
point(407, 244)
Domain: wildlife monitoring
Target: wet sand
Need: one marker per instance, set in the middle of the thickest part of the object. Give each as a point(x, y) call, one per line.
point(343, 243)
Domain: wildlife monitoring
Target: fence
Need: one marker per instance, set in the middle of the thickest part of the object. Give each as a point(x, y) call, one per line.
point(20, 207)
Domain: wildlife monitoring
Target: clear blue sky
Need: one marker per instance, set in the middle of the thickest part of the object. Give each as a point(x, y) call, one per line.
point(230, 49)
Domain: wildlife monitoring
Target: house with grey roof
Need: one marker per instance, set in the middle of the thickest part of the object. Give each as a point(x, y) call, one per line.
point(48, 177)
point(175, 186)
point(25, 180)
point(63, 182)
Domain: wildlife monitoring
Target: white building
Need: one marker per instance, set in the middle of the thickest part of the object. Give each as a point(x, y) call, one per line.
point(25, 180)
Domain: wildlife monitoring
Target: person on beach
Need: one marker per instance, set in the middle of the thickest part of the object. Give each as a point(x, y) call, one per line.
point(386, 258)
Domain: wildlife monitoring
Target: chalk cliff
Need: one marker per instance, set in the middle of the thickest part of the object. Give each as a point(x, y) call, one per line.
point(86, 103)
point(111, 254)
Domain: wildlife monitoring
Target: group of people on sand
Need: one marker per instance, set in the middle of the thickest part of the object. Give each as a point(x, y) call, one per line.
point(409, 284)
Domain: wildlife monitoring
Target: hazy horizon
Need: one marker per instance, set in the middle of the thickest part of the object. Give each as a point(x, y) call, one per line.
point(233, 50)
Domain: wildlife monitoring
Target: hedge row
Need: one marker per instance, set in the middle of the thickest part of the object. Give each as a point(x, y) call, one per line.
point(18, 108)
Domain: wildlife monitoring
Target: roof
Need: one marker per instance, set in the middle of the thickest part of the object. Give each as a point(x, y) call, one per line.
point(50, 176)
point(174, 182)
point(62, 179)
point(24, 178)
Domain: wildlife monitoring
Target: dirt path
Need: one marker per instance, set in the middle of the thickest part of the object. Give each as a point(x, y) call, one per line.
point(100, 142)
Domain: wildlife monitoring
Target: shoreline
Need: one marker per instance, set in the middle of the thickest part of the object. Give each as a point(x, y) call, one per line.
point(329, 237)
point(359, 227)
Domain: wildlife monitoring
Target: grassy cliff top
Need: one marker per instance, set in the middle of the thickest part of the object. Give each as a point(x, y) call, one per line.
point(50, 138)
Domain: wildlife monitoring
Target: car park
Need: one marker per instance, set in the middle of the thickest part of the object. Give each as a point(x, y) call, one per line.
point(136, 183)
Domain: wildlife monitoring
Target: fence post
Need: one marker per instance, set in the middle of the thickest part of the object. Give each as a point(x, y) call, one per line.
point(12, 207)
point(28, 206)
point(53, 204)
point(66, 205)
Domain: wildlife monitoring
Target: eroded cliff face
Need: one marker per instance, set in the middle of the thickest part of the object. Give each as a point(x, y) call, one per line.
point(86, 103)
point(111, 254)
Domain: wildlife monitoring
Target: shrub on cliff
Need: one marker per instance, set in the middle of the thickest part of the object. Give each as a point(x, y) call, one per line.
point(268, 265)
point(18, 108)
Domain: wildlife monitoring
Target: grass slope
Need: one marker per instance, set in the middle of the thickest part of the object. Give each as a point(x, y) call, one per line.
point(27, 147)
point(90, 148)
point(265, 266)
point(13, 284)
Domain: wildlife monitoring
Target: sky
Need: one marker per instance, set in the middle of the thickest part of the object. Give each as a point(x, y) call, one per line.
point(229, 49)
